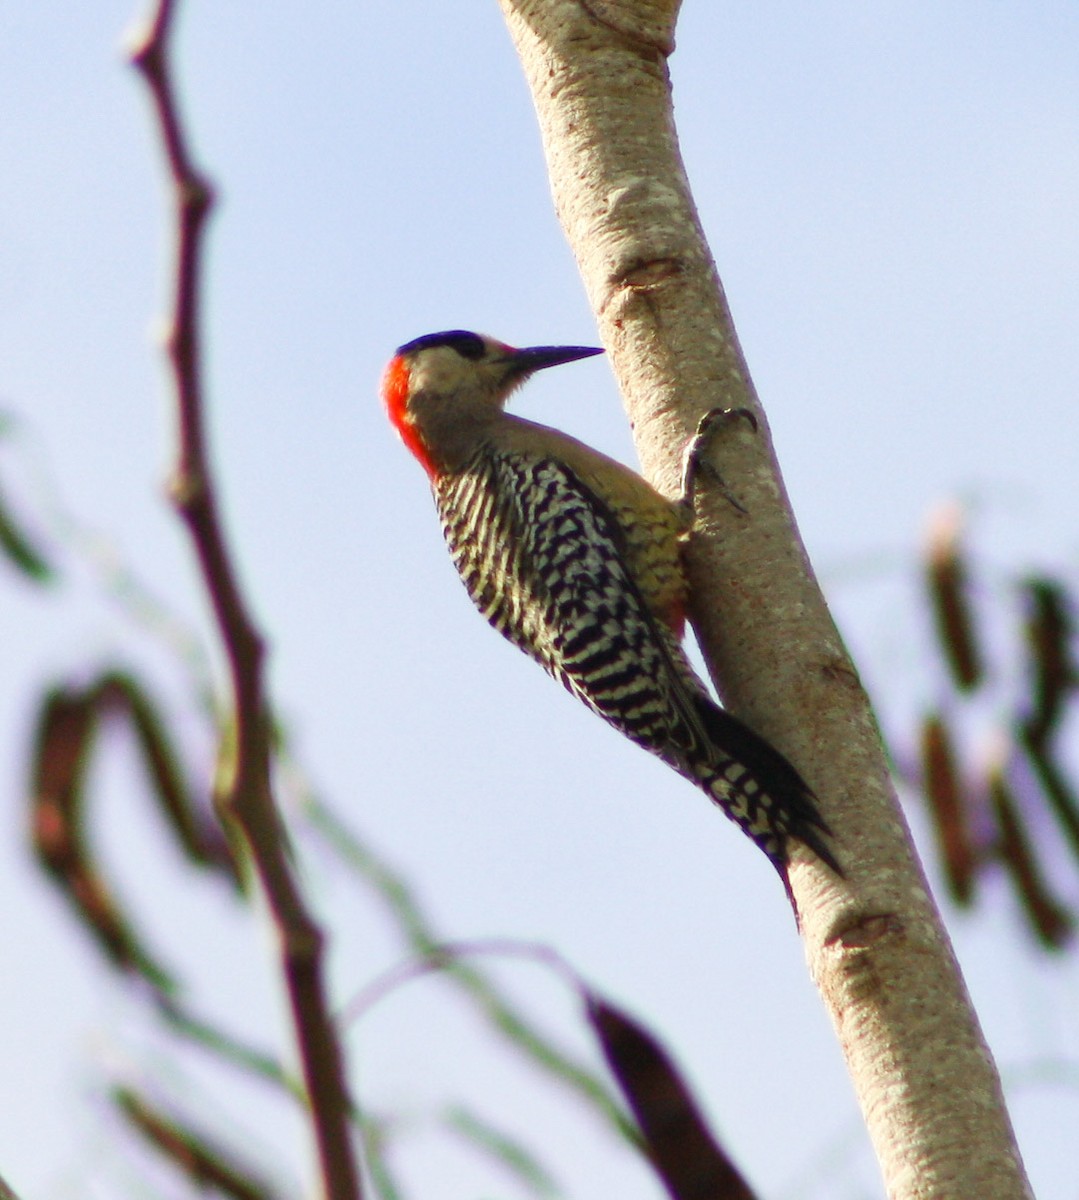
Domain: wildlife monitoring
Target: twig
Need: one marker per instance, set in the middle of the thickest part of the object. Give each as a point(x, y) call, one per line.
point(247, 794)
point(229, 1048)
point(503, 1015)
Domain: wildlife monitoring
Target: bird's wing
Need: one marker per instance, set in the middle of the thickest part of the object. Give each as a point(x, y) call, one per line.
point(544, 560)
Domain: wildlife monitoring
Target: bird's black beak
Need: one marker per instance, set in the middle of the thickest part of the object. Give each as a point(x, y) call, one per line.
point(536, 358)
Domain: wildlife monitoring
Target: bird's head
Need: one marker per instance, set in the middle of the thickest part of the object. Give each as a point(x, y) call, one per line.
point(440, 387)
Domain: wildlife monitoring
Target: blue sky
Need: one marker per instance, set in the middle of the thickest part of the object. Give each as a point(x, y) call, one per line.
point(890, 192)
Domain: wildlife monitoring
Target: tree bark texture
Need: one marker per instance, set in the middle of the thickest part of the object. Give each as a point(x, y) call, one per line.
point(875, 943)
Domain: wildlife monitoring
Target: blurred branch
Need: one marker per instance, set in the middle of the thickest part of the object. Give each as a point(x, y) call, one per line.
point(500, 1012)
point(246, 794)
point(230, 1049)
point(507, 1151)
point(672, 1134)
point(207, 1165)
point(375, 1139)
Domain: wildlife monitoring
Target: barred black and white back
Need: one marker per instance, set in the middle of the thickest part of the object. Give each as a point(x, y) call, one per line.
point(544, 558)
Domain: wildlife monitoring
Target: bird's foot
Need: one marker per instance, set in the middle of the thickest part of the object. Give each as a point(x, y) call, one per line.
point(694, 461)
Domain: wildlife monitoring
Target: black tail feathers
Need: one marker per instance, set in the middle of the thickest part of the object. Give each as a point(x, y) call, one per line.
point(761, 791)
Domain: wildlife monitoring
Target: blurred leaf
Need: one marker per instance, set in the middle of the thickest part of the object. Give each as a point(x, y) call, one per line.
point(206, 1164)
point(63, 740)
point(685, 1154)
point(1058, 792)
point(1052, 921)
point(198, 833)
point(508, 1152)
point(944, 793)
point(947, 583)
point(1049, 630)
point(60, 749)
point(18, 548)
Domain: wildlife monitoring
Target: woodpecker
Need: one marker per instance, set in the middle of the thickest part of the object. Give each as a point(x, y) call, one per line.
point(577, 560)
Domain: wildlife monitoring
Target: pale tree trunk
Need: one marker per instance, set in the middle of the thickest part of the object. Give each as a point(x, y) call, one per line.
point(875, 943)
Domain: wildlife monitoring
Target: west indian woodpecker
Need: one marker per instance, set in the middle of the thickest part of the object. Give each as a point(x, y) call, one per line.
point(578, 561)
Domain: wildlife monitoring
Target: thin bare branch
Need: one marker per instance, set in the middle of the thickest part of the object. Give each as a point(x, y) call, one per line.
point(246, 794)
point(503, 1015)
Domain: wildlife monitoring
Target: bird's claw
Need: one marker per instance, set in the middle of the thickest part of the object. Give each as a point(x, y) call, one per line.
point(694, 462)
point(714, 417)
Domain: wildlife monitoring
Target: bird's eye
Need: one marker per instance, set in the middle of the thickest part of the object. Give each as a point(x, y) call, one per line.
point(468, 345)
